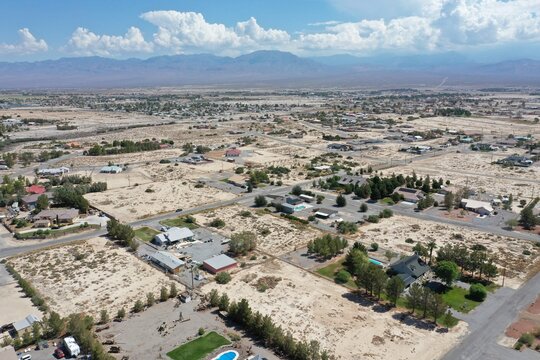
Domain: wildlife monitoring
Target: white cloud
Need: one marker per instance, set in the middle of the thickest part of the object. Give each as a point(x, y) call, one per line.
point(431, 25)
point(366, 35)
point(189, 31)
point(28, 44)
point(408, 26)
point(85, 42)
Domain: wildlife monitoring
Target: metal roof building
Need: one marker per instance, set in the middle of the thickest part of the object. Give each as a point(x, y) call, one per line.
point(219, 263)
point(174, 235)
point(25, 323)
point(167, 261)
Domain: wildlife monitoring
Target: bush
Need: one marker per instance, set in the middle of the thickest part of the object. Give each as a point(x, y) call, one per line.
point(373, 219)
point(201, 331)
point(217, 223)
point(374, 246)
point(477, 292)
point(363, 207)
point(409, 241)
point(527, 338)
point(223, 277)
point(386, 213)
point(343, 277)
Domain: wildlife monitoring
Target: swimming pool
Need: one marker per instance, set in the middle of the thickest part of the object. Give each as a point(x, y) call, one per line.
point(227, 355)
point(376, 262)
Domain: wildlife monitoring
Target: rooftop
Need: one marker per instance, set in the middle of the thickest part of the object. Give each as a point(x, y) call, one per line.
point(220, 261)
point(167, 259)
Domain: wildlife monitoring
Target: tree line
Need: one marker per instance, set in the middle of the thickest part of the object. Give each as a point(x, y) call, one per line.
point(327, 246)
point(263, 327)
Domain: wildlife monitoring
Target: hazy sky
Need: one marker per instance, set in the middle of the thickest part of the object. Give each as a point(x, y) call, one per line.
point(487, 30)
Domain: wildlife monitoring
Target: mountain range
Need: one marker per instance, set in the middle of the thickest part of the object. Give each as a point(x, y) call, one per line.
point(269, 69)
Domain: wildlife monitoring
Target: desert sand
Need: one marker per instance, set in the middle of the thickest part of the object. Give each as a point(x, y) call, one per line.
point(313, 308)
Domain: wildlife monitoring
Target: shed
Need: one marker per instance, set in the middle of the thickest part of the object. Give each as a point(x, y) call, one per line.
point(25, 324)
point(167, 261)
point(219, 263)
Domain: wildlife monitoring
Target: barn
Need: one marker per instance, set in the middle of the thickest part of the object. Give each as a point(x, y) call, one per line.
point(219, 263)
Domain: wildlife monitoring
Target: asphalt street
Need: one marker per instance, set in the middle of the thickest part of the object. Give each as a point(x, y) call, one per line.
point(489, 322)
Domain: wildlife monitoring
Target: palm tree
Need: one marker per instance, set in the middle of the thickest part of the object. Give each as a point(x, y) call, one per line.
point(431, 246)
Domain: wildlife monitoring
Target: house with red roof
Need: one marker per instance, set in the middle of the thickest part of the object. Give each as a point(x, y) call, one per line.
point(232, 153)
point(36, 189)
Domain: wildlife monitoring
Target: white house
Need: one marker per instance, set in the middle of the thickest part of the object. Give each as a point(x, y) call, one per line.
point(479, 207)
point(173, 235)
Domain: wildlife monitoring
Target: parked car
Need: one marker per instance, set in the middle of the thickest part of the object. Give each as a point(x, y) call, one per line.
point(179, 210)
point(59, 354)
point(25, 357)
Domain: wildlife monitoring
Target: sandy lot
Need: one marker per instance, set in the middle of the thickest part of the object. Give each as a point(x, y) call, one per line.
point(14, 305)
point(508, 251)
point(106, 277)
point(136, 202)
point(316, 309)
point(284, 236)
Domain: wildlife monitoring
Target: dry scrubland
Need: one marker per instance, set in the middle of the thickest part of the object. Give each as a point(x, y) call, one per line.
point(392, 234)
point(137, 202)
point(482, 182)
point(316, 309)
point(284, 236)
point(486, 126)
point(89, 277)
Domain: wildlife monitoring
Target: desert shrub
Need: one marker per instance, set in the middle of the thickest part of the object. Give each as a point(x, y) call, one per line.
point(223, 277)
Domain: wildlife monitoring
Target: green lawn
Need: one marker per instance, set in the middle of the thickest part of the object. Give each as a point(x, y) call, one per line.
point(145, 233)
point(199, 348)
point(179, 222)
point(455, 298)
point(331, 270)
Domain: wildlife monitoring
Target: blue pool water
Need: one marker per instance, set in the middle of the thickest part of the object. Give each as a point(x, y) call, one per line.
point(376, 262)
point(229, 355)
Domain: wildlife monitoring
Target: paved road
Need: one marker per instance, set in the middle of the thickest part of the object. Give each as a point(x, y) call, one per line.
point(352, 207)
point(7, 250)
point(489, 322)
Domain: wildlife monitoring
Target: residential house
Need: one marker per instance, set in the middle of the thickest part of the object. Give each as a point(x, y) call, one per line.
point(326, 213)
point(59, 215)
point(479, 207)
point(53, 172)
point(167, 261)
point(112, 169)
point(174, 235)
point(340, 147)
point(410, 195)
point(233, 152)
point(36, 189)
point(351, 180)
point(219, 263)
point(410, 269)
point(29, 201)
